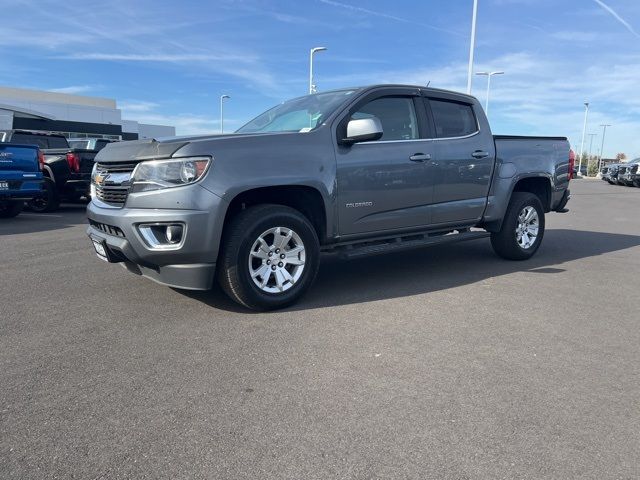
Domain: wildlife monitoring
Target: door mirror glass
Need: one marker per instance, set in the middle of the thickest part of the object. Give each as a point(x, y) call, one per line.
point(363, 130)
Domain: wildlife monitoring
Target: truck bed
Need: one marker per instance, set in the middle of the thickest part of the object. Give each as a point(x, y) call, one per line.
point(526, 137)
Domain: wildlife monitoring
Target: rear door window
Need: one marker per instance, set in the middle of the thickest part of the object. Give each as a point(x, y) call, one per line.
point(453, 119)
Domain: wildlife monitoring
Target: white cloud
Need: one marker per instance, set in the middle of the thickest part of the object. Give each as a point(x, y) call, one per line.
point(73, 89)
point(163, 58)
point(136, 106)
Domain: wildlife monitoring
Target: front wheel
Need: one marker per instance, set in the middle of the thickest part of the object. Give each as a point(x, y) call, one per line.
point(522, 229)
point(269, 258)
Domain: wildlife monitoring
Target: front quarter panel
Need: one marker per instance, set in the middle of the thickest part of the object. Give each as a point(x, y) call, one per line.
point(245, 162)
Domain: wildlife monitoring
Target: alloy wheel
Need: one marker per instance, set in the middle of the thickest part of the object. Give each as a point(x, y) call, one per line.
point(527, 228)
point(277, 260)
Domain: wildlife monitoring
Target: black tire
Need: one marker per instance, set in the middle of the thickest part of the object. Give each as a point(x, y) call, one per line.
point(49, 201)
point(10, 209)
point(505, 242)
point(233, 271)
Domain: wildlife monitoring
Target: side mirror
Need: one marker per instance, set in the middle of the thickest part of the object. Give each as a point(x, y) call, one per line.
point(363, 130)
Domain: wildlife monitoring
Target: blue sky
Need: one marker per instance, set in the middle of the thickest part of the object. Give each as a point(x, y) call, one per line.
point(168, 62)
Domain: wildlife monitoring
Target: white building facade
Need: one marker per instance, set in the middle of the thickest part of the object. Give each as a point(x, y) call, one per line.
point(74, 116)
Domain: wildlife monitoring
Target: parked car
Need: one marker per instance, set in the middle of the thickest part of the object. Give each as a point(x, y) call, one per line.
point(96, 144)
point(630, 177)
point(622, 175)
point(20, 177)
point(354, 172)
point(67, 170)
point(605, 172)
point(612, 173)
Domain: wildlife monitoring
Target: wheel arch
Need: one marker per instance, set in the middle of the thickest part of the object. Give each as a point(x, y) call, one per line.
point(306, 199)
point(539, 184)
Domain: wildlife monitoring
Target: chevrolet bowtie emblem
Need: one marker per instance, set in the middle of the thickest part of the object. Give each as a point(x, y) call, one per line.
point(99, 179)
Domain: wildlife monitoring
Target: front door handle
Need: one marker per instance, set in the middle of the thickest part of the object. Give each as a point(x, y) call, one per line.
point(480, 154)
point(420, 157)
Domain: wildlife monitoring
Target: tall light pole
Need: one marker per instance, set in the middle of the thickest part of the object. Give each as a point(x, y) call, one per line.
point(472, 46)
point(312, 87)
point(584, 130)
point(489, 75)
point(222, 99)
point(604, 131)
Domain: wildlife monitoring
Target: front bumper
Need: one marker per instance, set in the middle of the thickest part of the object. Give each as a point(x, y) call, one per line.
point(627, 179)
point(191, 266)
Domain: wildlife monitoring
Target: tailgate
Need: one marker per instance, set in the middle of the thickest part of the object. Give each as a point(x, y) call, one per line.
point(86, 159)
point(18, 158)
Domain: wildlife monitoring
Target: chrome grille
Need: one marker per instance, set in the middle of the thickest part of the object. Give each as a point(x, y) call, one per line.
point(114, 186)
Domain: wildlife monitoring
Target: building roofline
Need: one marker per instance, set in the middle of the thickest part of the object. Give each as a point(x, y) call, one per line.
point(26, 112)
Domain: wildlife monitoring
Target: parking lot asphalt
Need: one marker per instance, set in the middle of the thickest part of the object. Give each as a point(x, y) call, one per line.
point(446, 362)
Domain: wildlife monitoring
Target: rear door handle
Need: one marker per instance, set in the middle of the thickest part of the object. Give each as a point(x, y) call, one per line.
point(420, 157)
point(480, 154)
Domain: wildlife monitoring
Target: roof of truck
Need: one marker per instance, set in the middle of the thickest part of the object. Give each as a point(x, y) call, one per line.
point(400, 85)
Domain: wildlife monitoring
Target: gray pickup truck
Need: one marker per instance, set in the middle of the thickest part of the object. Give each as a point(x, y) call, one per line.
point(355, 172)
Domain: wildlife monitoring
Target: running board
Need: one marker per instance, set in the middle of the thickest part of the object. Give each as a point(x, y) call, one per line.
point(408, 242)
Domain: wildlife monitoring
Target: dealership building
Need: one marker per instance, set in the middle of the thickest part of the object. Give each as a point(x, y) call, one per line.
point(74, 116)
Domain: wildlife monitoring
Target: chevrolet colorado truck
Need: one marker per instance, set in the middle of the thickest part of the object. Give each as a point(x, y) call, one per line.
point(67, 170)
point(355, 172)
point(20, 177)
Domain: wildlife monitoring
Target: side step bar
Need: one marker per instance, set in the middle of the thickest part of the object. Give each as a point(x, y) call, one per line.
point(365, 249)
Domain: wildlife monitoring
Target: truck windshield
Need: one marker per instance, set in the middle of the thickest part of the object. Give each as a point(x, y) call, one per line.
point(298, 115)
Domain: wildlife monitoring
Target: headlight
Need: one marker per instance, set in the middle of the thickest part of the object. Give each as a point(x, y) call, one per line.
point(92, 187)
point(156, 174)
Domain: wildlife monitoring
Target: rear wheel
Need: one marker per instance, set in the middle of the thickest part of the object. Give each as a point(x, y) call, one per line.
point(10, 209)
point(269, 258)
point(522, 229)
point(48, 201)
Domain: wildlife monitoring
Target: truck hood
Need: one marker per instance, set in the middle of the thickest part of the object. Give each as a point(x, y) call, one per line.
point(165, 147)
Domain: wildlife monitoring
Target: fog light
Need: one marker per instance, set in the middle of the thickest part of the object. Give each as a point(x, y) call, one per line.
point(163, 236)
point(173, 233)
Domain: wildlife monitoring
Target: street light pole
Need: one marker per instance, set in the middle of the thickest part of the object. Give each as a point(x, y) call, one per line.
point(472, 46)
point(489, 75)
point(604, 131)
point(584, 130)
point(222, 98)
point(312, 87)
